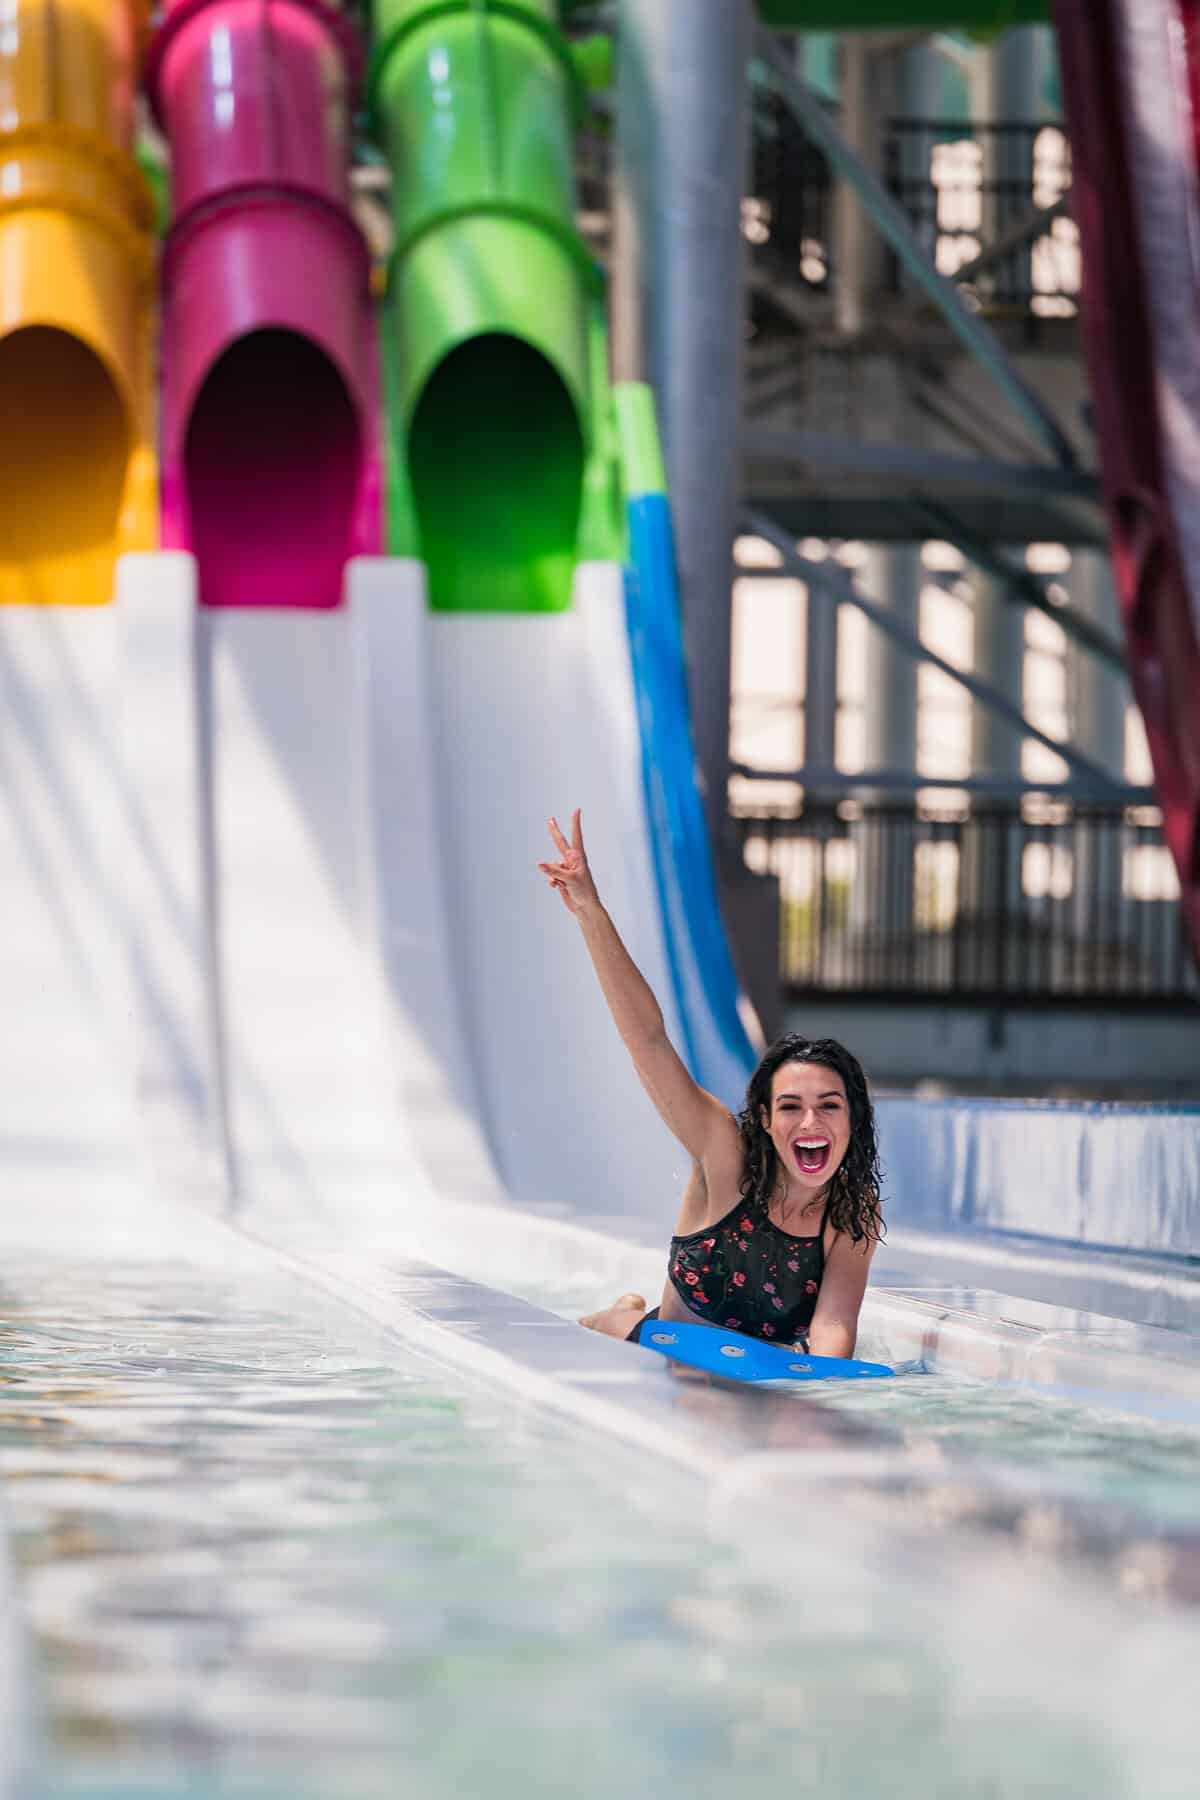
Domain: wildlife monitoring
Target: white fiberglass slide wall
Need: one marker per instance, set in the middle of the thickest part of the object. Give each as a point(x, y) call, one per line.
point(66, 1095)
point(402, 1017)
point(313, 1130)
point(102, 957)
point(520, 716)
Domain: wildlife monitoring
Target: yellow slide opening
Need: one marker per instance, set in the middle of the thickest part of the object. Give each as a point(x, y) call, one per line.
point(64, 451)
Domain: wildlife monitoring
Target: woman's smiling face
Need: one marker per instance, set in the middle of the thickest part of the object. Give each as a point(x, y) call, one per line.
point(809, 1123)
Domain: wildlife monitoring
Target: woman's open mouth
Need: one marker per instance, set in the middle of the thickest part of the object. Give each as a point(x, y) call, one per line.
point(811, 1153)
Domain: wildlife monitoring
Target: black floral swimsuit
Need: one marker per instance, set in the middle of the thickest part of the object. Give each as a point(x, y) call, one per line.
point(745, 1273)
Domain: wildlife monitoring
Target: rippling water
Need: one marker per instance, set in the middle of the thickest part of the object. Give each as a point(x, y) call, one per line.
point(1151, 1468)
point(265, 1550)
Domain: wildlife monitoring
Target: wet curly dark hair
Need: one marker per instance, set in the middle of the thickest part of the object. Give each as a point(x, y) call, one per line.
point(854, 1191)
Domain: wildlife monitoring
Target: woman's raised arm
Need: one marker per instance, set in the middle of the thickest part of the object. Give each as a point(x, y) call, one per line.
point(701, 1124)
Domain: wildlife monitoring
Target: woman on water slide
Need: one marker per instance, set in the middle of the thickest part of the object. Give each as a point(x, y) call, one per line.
point(781, 1214)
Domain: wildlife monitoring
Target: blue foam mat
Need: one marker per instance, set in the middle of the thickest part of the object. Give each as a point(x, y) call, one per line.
point(742, 1358)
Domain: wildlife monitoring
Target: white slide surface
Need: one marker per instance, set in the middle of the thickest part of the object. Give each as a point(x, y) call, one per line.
point(275, 918)
point(103, 964)
point(409, 1017)
point(530, 715)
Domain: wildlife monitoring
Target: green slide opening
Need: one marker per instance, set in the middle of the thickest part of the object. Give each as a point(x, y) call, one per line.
point(496, 455)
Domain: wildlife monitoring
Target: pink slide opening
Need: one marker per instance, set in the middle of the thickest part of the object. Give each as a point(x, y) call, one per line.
point(271, 469)
point(272, 464)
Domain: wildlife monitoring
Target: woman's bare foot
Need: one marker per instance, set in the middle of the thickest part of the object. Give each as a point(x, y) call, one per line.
point(619, 1319)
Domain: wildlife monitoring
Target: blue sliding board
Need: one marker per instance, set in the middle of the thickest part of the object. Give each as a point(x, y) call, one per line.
point(742, 1358)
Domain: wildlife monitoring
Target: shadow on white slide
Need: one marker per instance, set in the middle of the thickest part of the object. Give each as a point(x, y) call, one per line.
point(382, 1015)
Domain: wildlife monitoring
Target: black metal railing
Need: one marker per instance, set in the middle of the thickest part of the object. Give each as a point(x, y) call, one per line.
point(789, 212)
point(966, 191)
point(1033, 902)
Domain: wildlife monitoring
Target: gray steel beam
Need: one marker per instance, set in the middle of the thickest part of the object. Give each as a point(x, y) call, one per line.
point(917, 468)
point(842, 586)
point(1024, 589)
point(901, 781)
point(873, 514)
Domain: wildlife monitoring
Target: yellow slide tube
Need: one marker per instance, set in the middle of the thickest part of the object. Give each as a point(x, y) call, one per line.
point(77, 470)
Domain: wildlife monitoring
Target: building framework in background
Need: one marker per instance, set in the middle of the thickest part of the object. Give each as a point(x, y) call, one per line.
point(926, 274)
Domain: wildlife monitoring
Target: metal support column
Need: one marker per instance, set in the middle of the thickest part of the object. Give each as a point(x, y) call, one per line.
point(883, 882)
point(858, 249)
point(820, 679)
point(1007, 88)
point(991, 879)
point(678, 308)
point(1000, 659)
point(918, 86)
point(1099, 695)
point(893, 577)
point(1098, 698)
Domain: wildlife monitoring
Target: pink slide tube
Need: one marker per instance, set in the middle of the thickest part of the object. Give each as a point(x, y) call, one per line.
point(271, 471)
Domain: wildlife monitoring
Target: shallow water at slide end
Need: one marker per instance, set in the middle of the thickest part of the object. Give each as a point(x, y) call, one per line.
point(267, 1549)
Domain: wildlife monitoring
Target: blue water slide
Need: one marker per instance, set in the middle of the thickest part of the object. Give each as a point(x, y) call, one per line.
point(716, 1043)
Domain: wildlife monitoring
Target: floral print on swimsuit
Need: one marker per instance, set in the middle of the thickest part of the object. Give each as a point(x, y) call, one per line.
point(748, 1274)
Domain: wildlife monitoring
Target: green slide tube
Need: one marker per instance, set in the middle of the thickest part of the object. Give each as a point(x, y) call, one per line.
point(917, 15)
point(489, 334)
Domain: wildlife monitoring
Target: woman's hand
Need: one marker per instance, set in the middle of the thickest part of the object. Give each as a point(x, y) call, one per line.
point(571, 876)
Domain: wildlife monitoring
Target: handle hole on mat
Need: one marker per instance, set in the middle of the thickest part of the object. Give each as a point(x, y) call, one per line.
point(663, 1337)
point(731, 1350)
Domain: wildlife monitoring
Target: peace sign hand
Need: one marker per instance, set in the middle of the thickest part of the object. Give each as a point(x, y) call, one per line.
point(571, 876)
